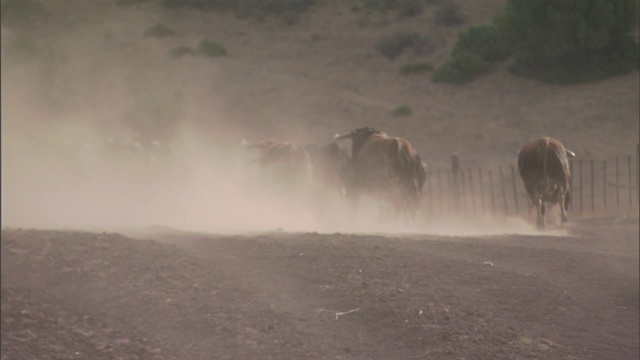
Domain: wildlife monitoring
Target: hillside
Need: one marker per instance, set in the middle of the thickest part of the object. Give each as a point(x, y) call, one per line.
point(319, 76)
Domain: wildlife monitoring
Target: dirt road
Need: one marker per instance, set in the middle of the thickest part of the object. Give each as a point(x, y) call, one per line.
point(175, 295)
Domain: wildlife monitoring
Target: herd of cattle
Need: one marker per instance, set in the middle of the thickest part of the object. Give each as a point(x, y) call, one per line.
point(377, 166)
point(389, 169)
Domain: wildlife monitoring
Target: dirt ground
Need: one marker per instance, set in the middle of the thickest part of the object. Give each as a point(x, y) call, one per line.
point(295, 281)
point(162, 294)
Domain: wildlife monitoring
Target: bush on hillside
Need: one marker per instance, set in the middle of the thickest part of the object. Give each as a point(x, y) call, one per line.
point(211, 48)
point(159, 31)
point(474, 51)
point(588, 67)
point(402, 110)
point(462, 68)
point(484, 41)
point(571, 41)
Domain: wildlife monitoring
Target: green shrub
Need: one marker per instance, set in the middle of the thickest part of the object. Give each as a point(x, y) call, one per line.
point(449, 14)
point(391, 47)
point(402, 110)
point(210, 48)
point(181, 51)
point(160, 31)
point(579, 68)
point(484, 41)
point(462, 68)
point(571, 41)
point(416, 68)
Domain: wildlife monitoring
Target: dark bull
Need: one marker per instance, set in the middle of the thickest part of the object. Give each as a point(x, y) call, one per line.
point(544, 167)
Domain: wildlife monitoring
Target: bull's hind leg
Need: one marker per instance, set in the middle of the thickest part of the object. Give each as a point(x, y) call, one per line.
point(563, 209)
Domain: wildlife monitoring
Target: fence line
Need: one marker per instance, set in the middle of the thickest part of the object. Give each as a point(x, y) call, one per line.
point(476, 191)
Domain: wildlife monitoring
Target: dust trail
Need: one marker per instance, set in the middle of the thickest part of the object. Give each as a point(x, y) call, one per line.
point(198, 187)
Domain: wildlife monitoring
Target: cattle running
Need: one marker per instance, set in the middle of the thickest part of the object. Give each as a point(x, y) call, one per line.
point(384, 167)
point(544, 167)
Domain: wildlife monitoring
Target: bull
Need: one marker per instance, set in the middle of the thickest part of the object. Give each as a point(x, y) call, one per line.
point(384, 167)
point(543, 164)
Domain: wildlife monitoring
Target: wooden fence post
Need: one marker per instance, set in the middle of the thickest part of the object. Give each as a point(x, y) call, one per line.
point(629, 182)
point(515, 191)
point(481, 189)
point(604, 181)
point(504, 193)
point(493, 204)
point(471, 192)
point(449, 182)
point(581, 185)
point(440, 189)
point(593, 206)
point(463, 193)
point(455, 174)
point(571, 184)
point(430, 193)
point(617, 184)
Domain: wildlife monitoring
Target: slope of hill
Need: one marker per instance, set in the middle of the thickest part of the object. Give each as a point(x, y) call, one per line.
point(314, 78)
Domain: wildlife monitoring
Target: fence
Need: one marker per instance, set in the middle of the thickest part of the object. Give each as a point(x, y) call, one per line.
point(598, 187)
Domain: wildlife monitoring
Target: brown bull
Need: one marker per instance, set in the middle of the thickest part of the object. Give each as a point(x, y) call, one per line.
point(384, 167)
point(544, 167)
point(285, 164)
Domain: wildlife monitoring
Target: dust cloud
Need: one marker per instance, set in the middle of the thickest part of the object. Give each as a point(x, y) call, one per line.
point(100, 131)
point(198, 188)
